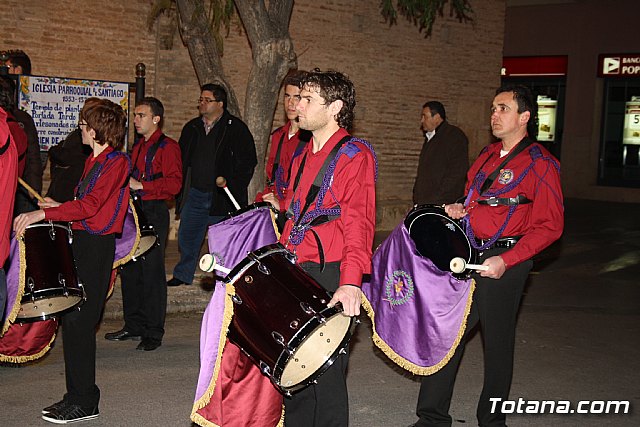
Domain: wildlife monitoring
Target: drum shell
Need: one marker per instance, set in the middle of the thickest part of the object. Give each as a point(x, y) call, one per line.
point(148, 235)
point(438, 237)
point(276, 302)
point(51, 284)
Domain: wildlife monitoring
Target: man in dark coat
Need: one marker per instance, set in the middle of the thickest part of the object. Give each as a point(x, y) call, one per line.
point(215, 144)
point(444, 159)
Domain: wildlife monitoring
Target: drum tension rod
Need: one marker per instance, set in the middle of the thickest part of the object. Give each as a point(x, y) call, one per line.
point(280, 340)
point(52, 233)
point(266, 370)
point(261, 267)
point(63, 282)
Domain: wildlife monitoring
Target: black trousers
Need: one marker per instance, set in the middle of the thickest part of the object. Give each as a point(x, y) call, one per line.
point(94, 260)
point(495, 308)
point(326, 403)
point(144, 281)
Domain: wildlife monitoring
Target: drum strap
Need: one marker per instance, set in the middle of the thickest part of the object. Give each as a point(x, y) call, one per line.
point(520, 199)
point(311, 196)
point(4, 148)
point(276, 161)
point(148, 161)
point(517, 150)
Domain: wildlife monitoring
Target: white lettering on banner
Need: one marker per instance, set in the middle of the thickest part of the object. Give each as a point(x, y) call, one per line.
point(633, 60)
point(55, 103)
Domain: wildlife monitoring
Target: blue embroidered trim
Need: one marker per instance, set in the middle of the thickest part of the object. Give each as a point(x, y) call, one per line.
point(92, 183)
point(297, 233)
point(478, 180)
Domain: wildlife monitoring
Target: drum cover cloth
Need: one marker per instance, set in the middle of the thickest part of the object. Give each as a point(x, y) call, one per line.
point(418, 312)
point(229, 383)
point(22, 342)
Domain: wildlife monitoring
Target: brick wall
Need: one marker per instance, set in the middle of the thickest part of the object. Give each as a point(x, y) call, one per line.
point(395, 69)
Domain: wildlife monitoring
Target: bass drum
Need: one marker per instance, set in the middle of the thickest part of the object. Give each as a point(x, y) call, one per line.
point(438, 237)
point(281, 319)
point(51, 285)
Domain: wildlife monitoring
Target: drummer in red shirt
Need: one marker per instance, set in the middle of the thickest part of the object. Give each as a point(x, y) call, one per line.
point(97, 213)
point(513, 210)
point(156, 177)
point(330, 226)
point(287, 142)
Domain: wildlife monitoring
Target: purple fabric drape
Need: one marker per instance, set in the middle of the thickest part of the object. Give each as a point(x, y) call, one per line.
point(125, 242)
point(419, 312)
point(13, 278)
point(229, 243)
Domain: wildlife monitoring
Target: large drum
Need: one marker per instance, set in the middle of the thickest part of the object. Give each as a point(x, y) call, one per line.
point(281, 319)
point(148, 235)
point(138, 235)
point(438, 237)
point(51, 284)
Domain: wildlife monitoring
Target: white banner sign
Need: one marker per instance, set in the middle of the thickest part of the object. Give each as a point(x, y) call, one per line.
point(55, 103)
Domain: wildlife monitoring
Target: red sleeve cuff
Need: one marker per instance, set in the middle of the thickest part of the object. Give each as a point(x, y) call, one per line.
point(351, 277)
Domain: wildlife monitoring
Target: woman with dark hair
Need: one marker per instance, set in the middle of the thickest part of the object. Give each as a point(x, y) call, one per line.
point(98, 213)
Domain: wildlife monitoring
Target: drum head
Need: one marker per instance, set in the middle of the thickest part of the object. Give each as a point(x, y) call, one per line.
point(316, 353)
point(437, 236)
point(148, 240)
point(49, 303)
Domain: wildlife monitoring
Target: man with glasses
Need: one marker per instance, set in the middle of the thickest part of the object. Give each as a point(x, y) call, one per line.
point(214, 144)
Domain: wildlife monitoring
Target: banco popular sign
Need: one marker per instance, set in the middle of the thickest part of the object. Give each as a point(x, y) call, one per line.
point(622, 65)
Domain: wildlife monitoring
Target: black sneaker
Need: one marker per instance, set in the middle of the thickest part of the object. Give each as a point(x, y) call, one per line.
point(70, 413)
point(54, 407)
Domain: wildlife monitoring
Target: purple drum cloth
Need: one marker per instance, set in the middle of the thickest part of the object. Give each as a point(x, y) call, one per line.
point(13, 279)
point(418, 311)
point(229, 242)
point(124, 243)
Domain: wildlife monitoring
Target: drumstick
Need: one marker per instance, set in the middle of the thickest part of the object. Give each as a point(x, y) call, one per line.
point(458, 265)
point(222, 183)
point(208, 264)
point(33, 192)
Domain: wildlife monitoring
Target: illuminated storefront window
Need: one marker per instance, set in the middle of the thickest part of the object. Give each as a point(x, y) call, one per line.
point(620, 139)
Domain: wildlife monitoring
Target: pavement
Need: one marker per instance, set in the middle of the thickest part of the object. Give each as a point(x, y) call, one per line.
point(577, 340)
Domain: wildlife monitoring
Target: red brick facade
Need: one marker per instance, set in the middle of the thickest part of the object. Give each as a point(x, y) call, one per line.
point(395, 69)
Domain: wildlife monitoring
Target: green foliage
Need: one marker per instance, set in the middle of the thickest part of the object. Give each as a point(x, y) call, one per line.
point(423, 13)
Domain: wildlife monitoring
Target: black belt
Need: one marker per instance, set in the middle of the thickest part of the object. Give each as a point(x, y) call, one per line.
point(505, 201)
point(504, 242)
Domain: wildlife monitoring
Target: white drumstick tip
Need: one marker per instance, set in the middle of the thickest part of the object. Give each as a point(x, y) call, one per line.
point(208, 264)
point(459, 265)
point(222, 183)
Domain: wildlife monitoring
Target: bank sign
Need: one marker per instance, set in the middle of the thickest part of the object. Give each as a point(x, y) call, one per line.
point(55, 103)
point(623, 65)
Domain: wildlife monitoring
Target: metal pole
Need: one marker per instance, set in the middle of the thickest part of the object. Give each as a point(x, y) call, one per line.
point(140, 80)
point(4, 68)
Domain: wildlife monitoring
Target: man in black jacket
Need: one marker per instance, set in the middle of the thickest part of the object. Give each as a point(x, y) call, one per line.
point(20, 63)
point(444, 159)
point(214, 144)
